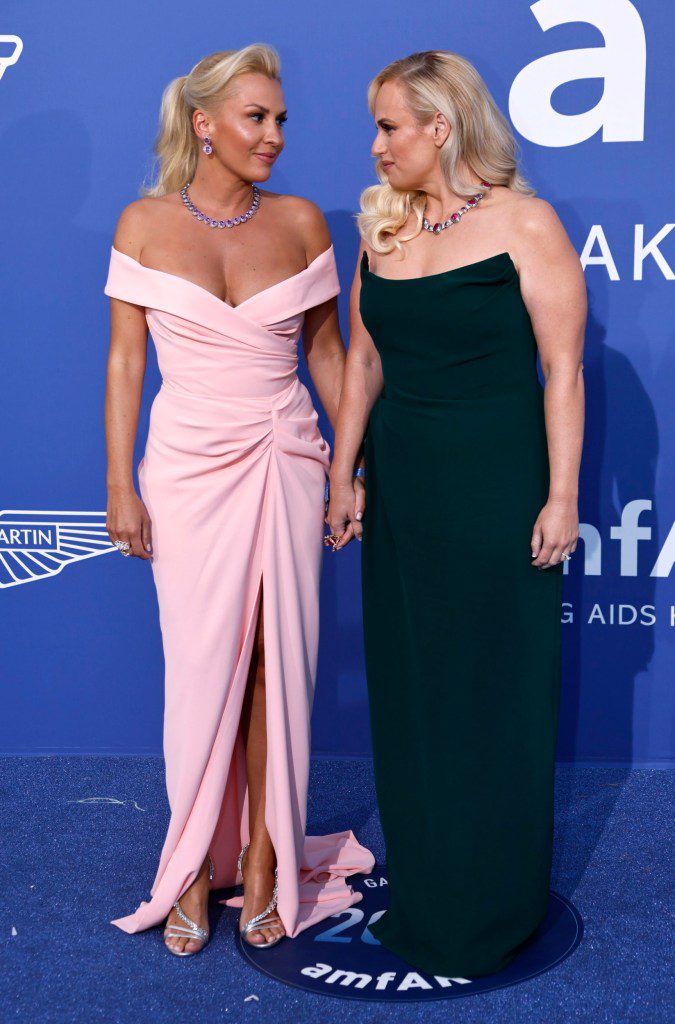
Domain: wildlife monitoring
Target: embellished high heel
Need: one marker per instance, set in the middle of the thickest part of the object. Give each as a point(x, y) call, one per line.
point(256, 923)
point(192, 931)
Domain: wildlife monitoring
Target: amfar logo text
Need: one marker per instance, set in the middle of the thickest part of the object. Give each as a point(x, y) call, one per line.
point(620, 63)
point(629, 534)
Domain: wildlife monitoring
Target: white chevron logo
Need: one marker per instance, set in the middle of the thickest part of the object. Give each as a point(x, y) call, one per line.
point(35, 545)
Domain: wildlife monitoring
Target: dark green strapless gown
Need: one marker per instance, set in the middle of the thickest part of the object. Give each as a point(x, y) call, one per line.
point(462, 632)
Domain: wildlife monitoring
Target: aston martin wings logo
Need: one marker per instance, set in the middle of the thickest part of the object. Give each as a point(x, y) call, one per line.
point(34, 545)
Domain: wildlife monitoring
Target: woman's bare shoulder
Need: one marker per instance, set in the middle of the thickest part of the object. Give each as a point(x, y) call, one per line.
point(536, 237)
point(304, 220)
point(528, 213)
point(136, 222)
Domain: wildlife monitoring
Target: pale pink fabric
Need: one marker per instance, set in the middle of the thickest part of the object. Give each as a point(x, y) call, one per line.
point(233, 477)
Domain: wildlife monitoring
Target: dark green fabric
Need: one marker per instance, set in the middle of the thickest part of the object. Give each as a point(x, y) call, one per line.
point(462, 633)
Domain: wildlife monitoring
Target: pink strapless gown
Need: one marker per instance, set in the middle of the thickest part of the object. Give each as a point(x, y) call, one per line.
point(233, 480)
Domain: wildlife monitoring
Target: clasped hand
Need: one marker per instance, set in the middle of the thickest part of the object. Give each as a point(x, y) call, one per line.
point(345, 512)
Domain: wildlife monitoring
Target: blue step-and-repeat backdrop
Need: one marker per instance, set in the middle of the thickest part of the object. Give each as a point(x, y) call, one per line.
point(587, 87)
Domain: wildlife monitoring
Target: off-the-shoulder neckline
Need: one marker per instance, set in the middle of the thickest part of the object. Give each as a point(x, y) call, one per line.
point(216, 298)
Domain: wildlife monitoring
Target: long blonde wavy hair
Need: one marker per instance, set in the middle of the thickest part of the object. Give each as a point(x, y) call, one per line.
point(176, 145)
point(437, 80)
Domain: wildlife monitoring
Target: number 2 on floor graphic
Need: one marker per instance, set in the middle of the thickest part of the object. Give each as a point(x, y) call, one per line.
point(354, 917)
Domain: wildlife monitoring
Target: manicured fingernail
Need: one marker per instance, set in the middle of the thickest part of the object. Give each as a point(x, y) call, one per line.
point(148, 548)
point(359, 515)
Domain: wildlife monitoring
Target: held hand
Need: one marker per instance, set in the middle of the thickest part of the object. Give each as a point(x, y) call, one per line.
point(555, 532)
point(128, 520)
point(345, 503)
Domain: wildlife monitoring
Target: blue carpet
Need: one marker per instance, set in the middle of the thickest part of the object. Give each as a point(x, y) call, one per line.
point(70, 866)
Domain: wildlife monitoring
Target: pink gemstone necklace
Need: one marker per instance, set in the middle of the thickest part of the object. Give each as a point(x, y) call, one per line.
point(470, 203)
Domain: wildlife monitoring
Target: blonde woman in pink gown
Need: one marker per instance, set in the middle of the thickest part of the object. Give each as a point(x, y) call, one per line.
point(231, 506)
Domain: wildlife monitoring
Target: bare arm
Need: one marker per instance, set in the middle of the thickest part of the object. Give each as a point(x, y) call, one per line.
point(325, 355)
point(322, 342)
point(127, 519)
point(554, 291)
point(363, 383)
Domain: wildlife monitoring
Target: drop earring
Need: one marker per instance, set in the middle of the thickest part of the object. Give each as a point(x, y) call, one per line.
point(207, 147)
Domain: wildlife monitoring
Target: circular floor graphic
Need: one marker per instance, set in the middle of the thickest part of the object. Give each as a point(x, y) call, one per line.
point(339, 957)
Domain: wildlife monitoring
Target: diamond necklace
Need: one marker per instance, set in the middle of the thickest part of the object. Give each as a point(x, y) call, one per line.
point(232, 222)
point(470, 203)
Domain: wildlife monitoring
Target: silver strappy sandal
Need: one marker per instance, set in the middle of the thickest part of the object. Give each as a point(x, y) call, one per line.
point(256, 923)
point(193, 931)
